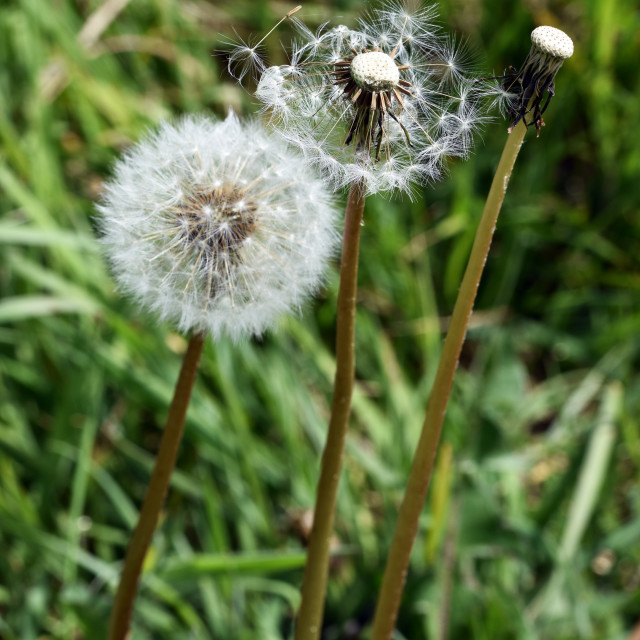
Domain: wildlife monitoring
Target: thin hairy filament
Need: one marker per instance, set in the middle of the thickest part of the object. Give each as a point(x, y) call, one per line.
point(275, 26)
point(404, 26)
point(327, 114)
point(156, 492)
point(430, 64)
point(429, 138)
point(176, 243)
point(336, 123)
point(422, 467)
point(355, 53)
point(314, 585)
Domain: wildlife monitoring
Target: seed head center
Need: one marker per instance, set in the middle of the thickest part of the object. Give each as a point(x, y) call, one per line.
point(375, 71)
point(219, 220)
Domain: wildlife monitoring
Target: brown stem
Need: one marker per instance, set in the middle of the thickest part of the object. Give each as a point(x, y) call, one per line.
point(156, 492)
point(422, 467)
point(448, 568)
point(314, 584)
point(635, 632)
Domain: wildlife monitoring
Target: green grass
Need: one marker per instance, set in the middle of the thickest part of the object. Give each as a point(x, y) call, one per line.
point(532, 530)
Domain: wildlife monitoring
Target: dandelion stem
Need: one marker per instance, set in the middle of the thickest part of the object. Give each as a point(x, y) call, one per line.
point(314, 584)
point(156, 492)
point(420, 475)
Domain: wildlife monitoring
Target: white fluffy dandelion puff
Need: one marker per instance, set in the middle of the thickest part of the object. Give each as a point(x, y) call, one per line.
point(217, 226)
point(386, 102)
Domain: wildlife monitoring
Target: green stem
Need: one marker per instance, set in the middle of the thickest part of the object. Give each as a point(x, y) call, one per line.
point(156, 492)
point(314, 584)
point(422, 467)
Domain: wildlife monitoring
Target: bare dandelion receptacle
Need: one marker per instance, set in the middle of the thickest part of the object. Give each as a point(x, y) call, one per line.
point(525, 89)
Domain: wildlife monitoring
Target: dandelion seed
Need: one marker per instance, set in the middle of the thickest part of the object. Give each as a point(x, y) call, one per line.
point(246, 57)
point(217, 226)
point(370, 102)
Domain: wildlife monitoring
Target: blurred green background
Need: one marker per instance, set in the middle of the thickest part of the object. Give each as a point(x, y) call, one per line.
point(532, 528)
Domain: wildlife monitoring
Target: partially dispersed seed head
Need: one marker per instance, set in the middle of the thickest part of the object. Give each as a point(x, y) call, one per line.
point(553, 42)
point(375, 71)
point(381, 104)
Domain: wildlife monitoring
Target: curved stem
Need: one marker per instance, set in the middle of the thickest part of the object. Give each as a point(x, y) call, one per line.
point(156, 492)
point(422, 466)
point(314, 584)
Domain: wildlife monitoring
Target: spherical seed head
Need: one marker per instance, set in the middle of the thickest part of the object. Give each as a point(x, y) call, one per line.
point(375, 71)
point(552, 41)
point(217, 226)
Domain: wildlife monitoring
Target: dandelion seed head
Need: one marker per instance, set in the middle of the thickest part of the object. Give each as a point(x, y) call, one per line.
point(359, 101)
point(227, 232)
